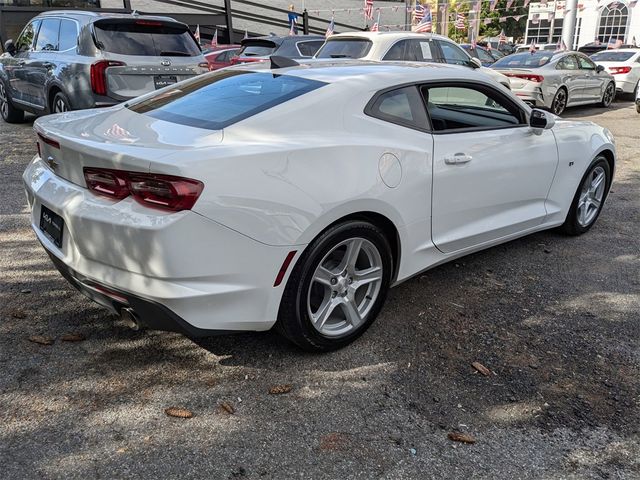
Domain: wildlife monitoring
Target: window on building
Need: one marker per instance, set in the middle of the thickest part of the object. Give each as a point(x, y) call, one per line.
point(613, 23)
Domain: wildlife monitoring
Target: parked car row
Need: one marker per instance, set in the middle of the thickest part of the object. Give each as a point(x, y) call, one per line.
point(75, 60)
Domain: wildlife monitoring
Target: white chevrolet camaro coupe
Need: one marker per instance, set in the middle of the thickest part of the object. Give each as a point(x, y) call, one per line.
point(295, 197)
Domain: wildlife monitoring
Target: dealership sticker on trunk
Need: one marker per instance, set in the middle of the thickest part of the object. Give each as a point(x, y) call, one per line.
point(52, 225)
point(162, 81)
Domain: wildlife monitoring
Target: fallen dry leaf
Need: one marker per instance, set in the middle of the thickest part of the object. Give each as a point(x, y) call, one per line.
point(41, 340)
point(333, 442)
point(461, 437)
point(279, 389)
point(18, 314)
point(481, 368)
point(178, 412)
point(121, 450)
point(73, 337)
point(227, 407)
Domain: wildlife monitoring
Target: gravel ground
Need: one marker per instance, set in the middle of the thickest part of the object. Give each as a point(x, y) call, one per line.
point(555, 318)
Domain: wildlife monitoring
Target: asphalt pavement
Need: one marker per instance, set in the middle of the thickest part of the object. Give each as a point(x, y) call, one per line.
point(555, 319)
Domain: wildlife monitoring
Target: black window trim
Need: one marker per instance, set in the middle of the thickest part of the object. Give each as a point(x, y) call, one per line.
point(445, 83)
point(368, 109)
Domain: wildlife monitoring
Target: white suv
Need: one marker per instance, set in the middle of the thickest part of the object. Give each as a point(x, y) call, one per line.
point(402, 46)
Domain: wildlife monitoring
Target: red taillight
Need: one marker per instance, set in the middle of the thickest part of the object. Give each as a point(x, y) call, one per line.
point(166, 192)
point(99, 75)
point(527, 76)
point(48, 141)
point(107, 182)
point(619, 70)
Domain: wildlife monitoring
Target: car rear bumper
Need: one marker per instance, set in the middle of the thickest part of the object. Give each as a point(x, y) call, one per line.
point(176, 271)
point(624, 84)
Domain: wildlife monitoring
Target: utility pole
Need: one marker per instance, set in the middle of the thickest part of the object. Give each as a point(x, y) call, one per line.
point(443, 17)
point(407, 14)
point(229, 20)
point(569, 23)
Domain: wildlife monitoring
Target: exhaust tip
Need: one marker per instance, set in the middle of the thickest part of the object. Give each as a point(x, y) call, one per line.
point(130, 318)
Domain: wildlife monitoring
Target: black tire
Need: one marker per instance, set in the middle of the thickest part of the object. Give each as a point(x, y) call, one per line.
point(608, 95)
point(559, 102)
point(572, 225)
point(10, 114)
point(60, 103)
point(294, 320)
point(638, 107)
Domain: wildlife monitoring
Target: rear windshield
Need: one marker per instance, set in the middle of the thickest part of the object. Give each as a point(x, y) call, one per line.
point(262, 49)
point(351, 48)
point(217, 100)
point(524, 60)
point(612, 56)
point(145, 37)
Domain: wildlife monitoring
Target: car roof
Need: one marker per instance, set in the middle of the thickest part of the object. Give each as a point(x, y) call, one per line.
point(386, 36)
point(378, 75)
point(92, 16)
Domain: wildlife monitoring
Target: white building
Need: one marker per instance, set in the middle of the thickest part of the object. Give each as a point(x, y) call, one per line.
point(604, 20)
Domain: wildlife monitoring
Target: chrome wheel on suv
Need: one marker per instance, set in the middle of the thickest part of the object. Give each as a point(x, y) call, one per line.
point(9, 113)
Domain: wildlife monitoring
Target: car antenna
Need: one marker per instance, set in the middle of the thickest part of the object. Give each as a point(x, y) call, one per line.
point(282, 62)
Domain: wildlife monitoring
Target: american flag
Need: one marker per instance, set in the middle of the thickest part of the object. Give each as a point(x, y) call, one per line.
point(418, 12)
point(368, 9)
point(614, 43)
point(197, 33)
point(489, 47)
point(561, 47)
point(460, 21)
point(426, 23)
point(502, 38)
point(533, 48)
point(330, 28)
point(474, 44)
point(214, 39)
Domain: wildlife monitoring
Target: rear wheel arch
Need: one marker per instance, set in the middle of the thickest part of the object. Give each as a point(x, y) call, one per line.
point(379, 220)
point(51, 95)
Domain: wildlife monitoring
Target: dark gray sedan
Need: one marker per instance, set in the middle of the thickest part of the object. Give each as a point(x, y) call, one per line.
point(68, 60)
point(556, 80)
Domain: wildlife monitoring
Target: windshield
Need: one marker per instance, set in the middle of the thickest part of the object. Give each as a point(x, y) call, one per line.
point(220, 99)
point(524, 60)
point(262, 49)
point(612, 56)
point(145, 37)
point(347, 48)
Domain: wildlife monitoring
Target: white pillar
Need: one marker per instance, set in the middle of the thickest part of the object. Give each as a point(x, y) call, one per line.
point(569, 24)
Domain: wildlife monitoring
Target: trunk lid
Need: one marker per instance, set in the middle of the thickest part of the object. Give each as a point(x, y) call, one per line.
point(144, 54)
point(115, 138)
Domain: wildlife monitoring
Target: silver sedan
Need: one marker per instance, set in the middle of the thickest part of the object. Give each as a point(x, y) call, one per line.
point(556, 80)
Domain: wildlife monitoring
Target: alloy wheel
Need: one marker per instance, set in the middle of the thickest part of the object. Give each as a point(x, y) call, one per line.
point(59, 105)
point(559, 102)
point(4, 102)
point(344, 287)
point(591, 196)
point(607, 98)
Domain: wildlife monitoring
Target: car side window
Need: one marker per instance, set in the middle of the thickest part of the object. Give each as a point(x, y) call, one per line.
point(47, 40)
point(402, 106)
point(309, 48)
point(25, 40)
point(568, 63)
point(586, 64)
point(484, 56)
point(401, 51)
point(222, 57)
point(454, 108)
point(68, 38)
point(453, 54)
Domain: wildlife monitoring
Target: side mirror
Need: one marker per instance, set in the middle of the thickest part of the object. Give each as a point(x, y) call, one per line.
point(10, 47)
point(541, 120)
point(599, 68)
point(475, 63)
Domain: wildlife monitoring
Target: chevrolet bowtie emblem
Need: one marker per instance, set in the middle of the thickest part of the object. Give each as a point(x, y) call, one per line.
point(52, 163)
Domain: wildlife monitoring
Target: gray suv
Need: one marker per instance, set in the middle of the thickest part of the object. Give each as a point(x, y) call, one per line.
point(68, 60)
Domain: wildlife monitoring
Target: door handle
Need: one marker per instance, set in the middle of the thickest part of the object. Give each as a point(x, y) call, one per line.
point(458, 159)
